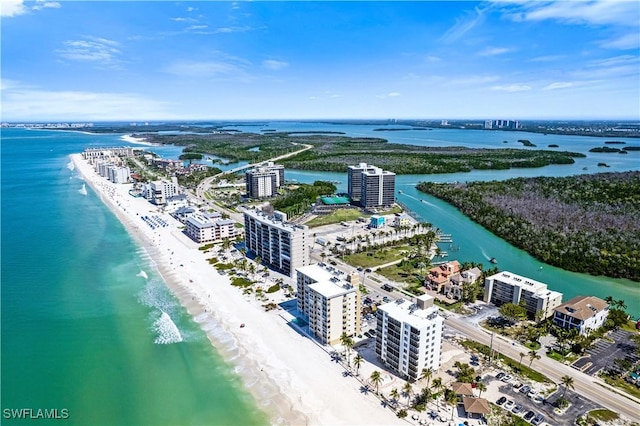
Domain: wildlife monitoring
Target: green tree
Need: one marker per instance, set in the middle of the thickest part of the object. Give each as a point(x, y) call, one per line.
point(426, 373)
point(481, 387)
point(567, 382)
point(512, 312)
point(357, 362)
point(522, 355)
point(376, 379)
point(348, 343)
point(407, 390)
point(437, 387)
point(394, 395)
point(533, 355)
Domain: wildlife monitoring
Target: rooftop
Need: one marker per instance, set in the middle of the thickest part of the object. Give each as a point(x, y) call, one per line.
point(407, 312)
point(582, 307)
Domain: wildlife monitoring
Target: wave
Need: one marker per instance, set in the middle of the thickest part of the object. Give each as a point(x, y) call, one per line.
point(71, 166)
point(167, 330)
point(142, 274)
point(83, 190)
point(485, 254)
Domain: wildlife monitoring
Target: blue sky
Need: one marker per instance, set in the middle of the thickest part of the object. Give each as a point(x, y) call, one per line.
point(76, 60)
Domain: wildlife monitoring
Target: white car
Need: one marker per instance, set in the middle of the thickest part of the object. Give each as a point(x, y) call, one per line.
point(532, 393)
point(507, 378)
point(509, 405)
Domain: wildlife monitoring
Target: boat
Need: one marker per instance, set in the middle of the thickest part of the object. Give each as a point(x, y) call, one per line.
point(493, 260)
point(399, 191)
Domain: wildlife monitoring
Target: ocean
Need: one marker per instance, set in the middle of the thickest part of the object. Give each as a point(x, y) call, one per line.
point(89, 327)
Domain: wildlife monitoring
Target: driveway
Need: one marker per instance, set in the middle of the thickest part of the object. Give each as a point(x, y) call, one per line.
point(604, 353)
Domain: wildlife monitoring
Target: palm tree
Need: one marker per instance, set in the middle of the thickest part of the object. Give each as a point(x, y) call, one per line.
point(522, 355)
point(357, 362)
point(481, 387)
point(348, 343)
point(427, 373)
point(376, 378)
point(619, 304)
point(437, 386)
point(407, 390)
point(567, 381)
point(609, 300)
point(532, 356)
point(394, 395)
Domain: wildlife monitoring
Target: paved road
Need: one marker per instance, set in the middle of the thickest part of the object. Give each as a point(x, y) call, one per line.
point(587, 386)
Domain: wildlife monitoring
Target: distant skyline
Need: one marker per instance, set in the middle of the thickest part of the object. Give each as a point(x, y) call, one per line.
point(150, 61)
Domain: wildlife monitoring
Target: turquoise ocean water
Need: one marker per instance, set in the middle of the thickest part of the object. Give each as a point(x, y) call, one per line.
point(84, 330)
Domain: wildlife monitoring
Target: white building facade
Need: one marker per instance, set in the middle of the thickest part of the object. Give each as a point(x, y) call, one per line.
point(507, 287)
point(584, 313)
point(329, 301)
point(209, 227)
point(409, 336)
point(282, 245)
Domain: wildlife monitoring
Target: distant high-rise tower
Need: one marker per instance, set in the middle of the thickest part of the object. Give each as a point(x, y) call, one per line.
point(370, 186)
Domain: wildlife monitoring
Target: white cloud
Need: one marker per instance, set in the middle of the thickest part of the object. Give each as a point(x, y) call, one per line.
point(546, 58)
point(224, 67)
point(274, 65)
point(625, 42)
point(598, 12)
point(432, 58)
point(472, 80)
point(10, 8)
point(92, 49)
point(389, 95)
point(42, 4)
point(234, 29)
point(611, 68)
point(558, 85)
point(463, 25)
point(512, 88)
point(493, 51)
point(21, 102)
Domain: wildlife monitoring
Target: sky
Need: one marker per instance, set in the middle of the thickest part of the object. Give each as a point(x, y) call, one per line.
point(203, 60)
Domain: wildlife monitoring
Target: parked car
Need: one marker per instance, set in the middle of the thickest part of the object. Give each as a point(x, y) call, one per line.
point(386, 299)
point(530, 414)
point(525, 389)
point(537, 419)
point(500, 375)
point(501, 400)
point(507, 378)
point(517, 385)
point(509, 405)
point(538, 399)
point(517, 409)
point(532, 393)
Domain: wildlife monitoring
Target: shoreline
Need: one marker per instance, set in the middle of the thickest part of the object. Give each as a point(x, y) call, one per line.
point(290, 377)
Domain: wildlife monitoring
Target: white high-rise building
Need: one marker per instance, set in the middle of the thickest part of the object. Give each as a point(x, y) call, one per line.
point(507, 287)
point(280, 244)
point(160, 190)
point(265, 180)
point(409, 336)
point(330, 302)
point(370, 186)
point(209, 227)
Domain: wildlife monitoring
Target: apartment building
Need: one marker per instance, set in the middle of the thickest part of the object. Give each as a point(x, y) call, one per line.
point(455, 286)
point(409, 336)
point(264, 181)
point(370, 186)
point(160, 190)
point(585, 313)
point(329, 300)
point(507, 287)
point(282, 245)
point(209, 227)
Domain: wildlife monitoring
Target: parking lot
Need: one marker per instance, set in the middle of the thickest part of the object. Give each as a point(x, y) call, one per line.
point(604, 353)
point(529, 402)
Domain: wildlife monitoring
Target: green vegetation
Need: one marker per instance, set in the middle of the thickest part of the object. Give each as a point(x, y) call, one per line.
point(586, 223)
point(241, 282)
point(603, 415)
point(299, 200)
point(190, 156)
point(604, 149)
point(376, 256)
point(336, 216)
point(526, 142)
point(195, 177)
point(273, 288)
point(333, 152)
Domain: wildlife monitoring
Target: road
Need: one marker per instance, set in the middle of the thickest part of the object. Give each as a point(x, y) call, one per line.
point(590, 387)
point(204, 186)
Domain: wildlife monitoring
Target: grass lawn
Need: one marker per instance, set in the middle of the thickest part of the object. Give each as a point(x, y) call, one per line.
point(603, 415)
point(395, 273)
point(621, 384)
point(381, 256)
point(336, 216)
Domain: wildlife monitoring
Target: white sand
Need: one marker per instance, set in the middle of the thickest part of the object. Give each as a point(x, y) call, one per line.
point(139, 141)
point(291, 377)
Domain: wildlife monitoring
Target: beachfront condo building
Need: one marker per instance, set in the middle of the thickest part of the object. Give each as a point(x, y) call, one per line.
point(209, 227)
point(158, 191)
point(329, 301)
point(282, 245)
point(109, 152)
point(409, 336)
point(507, 287)
point(370, 186)
point(264, 181)
point(584, 313)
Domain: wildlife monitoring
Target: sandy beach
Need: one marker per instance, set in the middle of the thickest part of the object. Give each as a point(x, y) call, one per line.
point(134, 140)
point(292, 378)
